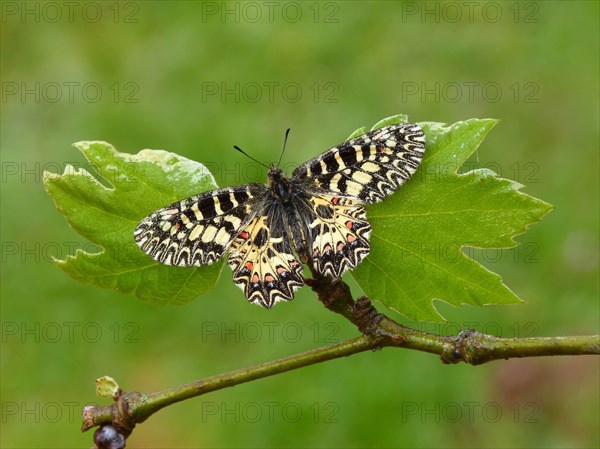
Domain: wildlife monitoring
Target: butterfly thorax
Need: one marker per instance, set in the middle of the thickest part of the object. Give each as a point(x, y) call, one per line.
point(280, 185)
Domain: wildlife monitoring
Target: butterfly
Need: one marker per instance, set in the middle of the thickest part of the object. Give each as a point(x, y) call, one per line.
point(316, 216)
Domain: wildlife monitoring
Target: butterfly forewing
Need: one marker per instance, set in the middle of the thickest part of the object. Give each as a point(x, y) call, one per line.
point(198, 230)
point(369, 167)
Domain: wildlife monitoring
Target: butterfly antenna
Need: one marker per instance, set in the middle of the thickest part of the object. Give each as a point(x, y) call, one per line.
point(250, 157)
point(287, 133)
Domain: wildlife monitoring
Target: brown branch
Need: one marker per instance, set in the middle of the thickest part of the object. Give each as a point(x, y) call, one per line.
point(119, 419)
point(469, 346)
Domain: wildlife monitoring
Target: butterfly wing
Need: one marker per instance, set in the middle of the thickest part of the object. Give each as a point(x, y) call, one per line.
point(339, 234)
point(263, 263)
point(368, 167)
point(198, 230)
point(363, 170)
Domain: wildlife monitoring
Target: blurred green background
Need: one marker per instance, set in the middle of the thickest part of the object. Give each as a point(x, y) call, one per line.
point(197, 78)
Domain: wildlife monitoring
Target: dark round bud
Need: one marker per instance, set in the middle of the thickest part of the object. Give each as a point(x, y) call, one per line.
point(107, 437)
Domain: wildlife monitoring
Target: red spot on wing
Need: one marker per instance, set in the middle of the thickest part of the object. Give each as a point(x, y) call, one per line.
point(249, 266)
point(245, 235)
point(349, 224)
point(335, 200)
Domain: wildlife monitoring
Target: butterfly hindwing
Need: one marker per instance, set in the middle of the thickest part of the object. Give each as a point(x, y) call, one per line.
point(198, 230)
point(368, 167)
point(263, 263)
point(340, 234)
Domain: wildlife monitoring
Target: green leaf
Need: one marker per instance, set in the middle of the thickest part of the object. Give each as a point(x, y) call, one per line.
point(358, 132)
point(393, 120)
point(107, 387)
point(419, 232)
point(107, 208)
point(417, 239)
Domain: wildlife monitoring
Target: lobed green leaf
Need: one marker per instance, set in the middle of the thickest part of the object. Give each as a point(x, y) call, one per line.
point(107, 208)
point(418, 233)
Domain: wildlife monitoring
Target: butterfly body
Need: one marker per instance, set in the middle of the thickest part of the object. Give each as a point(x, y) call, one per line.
point(316, 216)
